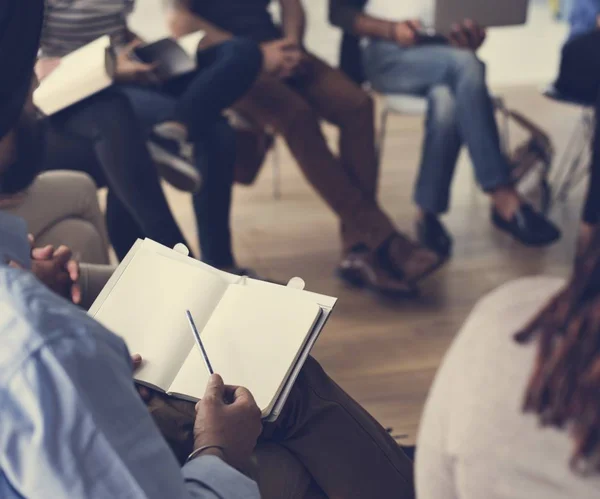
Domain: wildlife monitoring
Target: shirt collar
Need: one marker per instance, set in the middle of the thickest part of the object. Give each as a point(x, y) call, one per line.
point(14, 245)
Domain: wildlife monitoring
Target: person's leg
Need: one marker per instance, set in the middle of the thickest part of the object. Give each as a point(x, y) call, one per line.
point(215, 156)
point(345, 450)
point(375, 254)
point(109, 121)
point(393, 69)
point(272, 103)
point(226, 72)
point(123, 229)
point(346, 453)
point(214, 152)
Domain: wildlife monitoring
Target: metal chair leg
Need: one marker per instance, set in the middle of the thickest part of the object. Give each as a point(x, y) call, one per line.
point(381, 135)
point(276, 170)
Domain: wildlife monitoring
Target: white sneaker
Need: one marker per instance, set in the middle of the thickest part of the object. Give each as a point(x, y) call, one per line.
point(176, 170)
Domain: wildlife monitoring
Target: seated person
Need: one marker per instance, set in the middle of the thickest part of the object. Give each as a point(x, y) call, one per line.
point(519, 415)
point(461, 112)
point(295, 91)
point(579, 78)
point(117, 122)
point(73, 424)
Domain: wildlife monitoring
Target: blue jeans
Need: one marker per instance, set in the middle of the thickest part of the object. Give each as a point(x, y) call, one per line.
point(460, 112)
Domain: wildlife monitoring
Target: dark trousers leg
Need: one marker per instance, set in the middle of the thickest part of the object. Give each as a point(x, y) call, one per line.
point(225, 73)
point(108, 122)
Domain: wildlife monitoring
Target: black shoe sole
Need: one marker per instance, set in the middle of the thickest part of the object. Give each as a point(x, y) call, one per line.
point(506, 227)
point(355, 280)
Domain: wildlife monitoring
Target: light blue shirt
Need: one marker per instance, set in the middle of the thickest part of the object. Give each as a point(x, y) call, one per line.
point(71, 422)
point(583, 17)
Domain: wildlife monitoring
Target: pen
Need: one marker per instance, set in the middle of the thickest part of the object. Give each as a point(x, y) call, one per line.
point(199, 342)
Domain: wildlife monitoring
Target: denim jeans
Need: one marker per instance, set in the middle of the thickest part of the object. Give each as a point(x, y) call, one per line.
point(460, 111)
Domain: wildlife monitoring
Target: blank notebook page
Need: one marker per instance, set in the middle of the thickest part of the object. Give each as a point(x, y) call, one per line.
point(253, 339)
point(147, 308)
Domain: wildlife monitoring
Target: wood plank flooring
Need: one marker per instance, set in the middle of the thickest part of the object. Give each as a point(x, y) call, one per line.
point(385, 354)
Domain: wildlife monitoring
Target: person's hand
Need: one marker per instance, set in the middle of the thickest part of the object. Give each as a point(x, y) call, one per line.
point(233, 426)
point(45, 66)
point(58, 270)
point(405, 33)
point(467, 35)
point(281, 58)
point(130, 70)
point(136, 363)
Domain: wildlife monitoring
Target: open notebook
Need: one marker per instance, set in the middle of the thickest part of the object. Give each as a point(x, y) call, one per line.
point(256, 334)
point(91, 69)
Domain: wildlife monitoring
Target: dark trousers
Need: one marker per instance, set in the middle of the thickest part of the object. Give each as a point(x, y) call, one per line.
point(324, 445)
point(580, 78)
point(110, 131)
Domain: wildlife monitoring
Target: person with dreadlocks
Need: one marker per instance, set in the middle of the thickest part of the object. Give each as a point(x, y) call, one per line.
point(514, 411)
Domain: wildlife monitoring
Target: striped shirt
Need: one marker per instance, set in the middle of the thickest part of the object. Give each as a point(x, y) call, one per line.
point(71, 24)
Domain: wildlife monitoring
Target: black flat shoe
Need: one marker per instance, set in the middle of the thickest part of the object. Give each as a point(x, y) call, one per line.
point(528, 227)
point(432, 234)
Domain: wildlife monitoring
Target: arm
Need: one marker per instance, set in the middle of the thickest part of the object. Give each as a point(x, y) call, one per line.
point(293, 20)
point(109, 444)
point(181, 21)
point(353, 20)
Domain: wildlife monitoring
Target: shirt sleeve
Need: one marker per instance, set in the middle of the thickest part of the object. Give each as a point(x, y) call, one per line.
point(74, 426)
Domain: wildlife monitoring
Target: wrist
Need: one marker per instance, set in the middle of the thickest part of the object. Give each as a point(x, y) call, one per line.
point(208, 450)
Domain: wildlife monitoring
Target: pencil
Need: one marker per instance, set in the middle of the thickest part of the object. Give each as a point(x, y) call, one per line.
point(199, 342)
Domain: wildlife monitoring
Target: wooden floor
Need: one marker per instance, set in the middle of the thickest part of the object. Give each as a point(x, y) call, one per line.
point(385, 354)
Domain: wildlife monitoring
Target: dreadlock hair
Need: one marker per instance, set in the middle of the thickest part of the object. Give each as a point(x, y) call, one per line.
point(564, 389)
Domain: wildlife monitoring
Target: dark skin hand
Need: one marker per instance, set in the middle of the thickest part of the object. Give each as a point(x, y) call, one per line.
point(467, 35)
point(57, 269)
point(226, 416)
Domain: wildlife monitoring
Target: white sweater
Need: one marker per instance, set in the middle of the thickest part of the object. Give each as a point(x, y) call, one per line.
point(474, 441)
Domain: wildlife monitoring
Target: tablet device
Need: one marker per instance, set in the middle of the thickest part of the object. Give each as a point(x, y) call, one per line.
point(486, 13)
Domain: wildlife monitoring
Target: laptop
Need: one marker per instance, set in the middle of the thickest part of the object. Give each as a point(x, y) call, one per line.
point(486, 13)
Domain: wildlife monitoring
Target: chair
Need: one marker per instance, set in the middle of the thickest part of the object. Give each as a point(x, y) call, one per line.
point(400, 104)
point(572, 168)
point(410, 105)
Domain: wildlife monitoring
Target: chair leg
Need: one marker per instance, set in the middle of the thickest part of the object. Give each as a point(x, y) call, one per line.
point(276, 170)
point(381, 135)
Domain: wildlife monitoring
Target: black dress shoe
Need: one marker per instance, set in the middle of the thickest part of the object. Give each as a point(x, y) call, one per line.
point(432, 234)
point(528, 227)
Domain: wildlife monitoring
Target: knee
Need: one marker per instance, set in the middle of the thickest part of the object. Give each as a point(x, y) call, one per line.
point(243, 53)
point(468, 65)
point(441, 106)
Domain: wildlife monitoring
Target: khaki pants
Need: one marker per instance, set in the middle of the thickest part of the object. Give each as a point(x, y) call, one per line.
point(324, 445)
point(61, 207)
point(349, 183)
